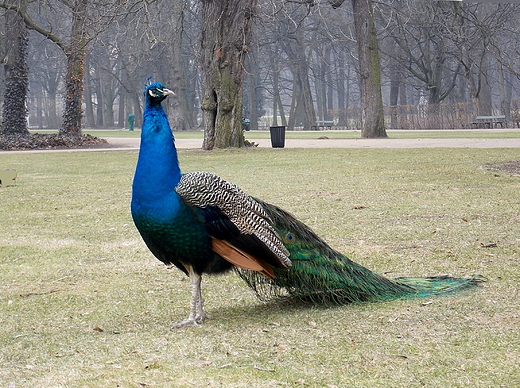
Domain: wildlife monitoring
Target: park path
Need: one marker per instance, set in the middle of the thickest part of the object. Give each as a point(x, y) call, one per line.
point(132, 143)
point(126, 144)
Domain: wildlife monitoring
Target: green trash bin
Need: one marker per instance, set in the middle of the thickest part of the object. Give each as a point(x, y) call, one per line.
point(277, 136)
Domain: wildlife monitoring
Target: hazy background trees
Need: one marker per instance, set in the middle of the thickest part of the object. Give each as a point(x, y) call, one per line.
point(226, 35)
point(442, 63)
point(15, 67)
point(459, 57)
point(71, 26)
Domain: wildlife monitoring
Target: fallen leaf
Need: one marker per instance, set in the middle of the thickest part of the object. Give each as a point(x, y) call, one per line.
point(201, 363)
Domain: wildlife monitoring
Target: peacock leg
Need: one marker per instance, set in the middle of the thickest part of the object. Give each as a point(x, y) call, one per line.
point(200, 315)
point(197, 314)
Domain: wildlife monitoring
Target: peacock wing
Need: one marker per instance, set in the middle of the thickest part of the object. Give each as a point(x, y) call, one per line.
point(231, 214)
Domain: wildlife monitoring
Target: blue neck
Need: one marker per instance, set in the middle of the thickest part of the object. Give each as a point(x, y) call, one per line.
point(157, 172)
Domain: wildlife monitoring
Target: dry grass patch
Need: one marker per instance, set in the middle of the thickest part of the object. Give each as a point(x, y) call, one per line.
point(84, 304)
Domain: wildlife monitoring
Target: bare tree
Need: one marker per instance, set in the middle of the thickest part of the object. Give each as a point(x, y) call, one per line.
point(372, 116)
point(302, 102)
point(445, 47)
point(477, 29)
point(46, 70)
point(87, 19)
point(226, 33)
point(306, 61)
point(14, 119)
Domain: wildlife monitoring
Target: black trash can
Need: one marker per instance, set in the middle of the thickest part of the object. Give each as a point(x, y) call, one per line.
point(277, 136)
point(246, 124)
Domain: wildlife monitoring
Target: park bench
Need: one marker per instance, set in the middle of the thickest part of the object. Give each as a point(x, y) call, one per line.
point(488, 122)
point(322, 124)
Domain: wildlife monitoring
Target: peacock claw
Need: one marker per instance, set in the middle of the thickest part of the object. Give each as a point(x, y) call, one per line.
point(202, 317)
point(197, 321)
point(185, 323)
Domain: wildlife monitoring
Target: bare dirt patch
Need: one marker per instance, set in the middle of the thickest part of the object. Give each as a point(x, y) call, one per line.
point(511, 167)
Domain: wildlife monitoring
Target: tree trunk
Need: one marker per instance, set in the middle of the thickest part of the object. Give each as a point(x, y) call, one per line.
point(54, 120)
point(226, 31)
point(39, 106)
point(50, 83)
point(340, 85)
point(89, 107)
point(253, 101)
point(302, 107)
point(476, 79)
point(100, 99)
point(396, 83)
point(121, 119)
point(179, 113)
point(394, 94)
point(505, 92)
point(294, 103)
point(109, 99)
point(277, 100)
point(318, 69)
point(135, 100)
point(305, 106)
point(75, 54)
point(486, 106)
point(372, 114)
point(329, 86)
point(253, 72)
point(14, 120)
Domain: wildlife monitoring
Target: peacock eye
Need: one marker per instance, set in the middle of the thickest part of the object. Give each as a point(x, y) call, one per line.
point(154, 92)
point(290, 237)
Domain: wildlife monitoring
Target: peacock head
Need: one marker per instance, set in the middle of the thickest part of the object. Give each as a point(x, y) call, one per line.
point(156, 93)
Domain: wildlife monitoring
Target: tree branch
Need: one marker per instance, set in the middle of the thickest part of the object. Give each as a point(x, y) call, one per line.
point(33, 26)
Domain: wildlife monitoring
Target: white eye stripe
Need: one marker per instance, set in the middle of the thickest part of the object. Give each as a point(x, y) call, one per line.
point(160, 92)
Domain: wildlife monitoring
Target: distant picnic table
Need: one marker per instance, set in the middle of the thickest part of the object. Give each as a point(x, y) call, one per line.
point(489, 121)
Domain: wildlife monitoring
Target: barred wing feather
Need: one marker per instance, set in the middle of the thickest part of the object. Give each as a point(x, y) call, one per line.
point(206, 190)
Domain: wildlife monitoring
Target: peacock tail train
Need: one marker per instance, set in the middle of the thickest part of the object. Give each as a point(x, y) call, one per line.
point(320, 274)
point(203, 224)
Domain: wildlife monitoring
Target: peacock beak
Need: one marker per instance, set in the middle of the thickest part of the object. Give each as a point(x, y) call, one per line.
point(168, 92)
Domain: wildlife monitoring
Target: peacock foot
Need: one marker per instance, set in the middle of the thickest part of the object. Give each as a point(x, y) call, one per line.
point(185, 323)
point(197, 321)
point(201, 317)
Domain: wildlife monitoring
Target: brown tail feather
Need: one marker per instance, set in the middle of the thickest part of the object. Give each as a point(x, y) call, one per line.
point(240, 258)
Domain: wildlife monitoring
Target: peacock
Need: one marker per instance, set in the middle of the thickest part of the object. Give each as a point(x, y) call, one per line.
point(203, 224)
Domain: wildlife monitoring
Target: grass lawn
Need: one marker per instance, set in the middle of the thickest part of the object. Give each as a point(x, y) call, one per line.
point(84, 304)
